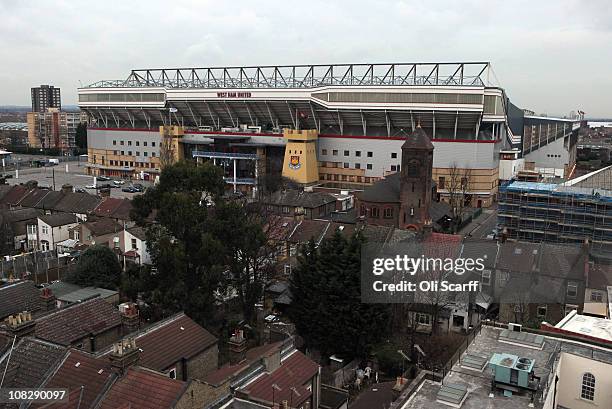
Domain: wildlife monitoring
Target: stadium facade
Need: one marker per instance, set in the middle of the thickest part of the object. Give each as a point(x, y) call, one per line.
point(357, 116)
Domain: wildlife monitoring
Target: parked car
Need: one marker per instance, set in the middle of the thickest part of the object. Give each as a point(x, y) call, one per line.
point(90, 187)
point(80, 190)
point(103, 178)
point(138, 187)
point(119, 182)
point(129, 189)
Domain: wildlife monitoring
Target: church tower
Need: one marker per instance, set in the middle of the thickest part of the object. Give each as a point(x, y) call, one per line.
point(415, 180)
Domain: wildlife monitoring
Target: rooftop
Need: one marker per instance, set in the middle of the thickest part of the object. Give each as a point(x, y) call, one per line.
point(308, 76)
point(18, 297)
point(77, 321)
point(584, 326)
point(58, 219)
point(479, 383)
point(166, 342)
point(299, 198)
point(30, 363)
point(286, 382)
point(81, 370)
point(143, 389)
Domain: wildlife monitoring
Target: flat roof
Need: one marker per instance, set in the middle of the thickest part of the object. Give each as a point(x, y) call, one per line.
point(600, 328)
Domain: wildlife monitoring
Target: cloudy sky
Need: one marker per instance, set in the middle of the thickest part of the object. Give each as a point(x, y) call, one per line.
point(550, 56)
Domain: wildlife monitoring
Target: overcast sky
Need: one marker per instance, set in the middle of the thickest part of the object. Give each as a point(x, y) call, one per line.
point(550, 56)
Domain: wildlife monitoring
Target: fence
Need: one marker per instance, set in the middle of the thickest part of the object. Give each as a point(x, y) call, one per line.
point(438, 376)
point(38, 266)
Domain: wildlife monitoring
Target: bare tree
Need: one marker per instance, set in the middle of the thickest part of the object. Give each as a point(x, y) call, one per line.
point(166, 152)
point(458, 187)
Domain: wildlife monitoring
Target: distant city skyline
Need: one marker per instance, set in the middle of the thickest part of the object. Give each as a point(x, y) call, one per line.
point(548, 56)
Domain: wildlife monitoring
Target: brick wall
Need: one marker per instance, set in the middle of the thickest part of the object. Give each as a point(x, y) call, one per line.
point(199, 394)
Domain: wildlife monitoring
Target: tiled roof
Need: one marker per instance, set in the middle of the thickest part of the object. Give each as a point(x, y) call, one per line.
point(309, 229)
point(299, 198)
point(386, 190)
point(33, 197)
point(115, 208)
point(4, 189)
point(103, 226)
point(17, 215)
point(418, 139)
point(58, 219)
point(229, 371)
point(31, 362)
point(78, 370)
point(14, 195)
point(78, 321)
point(143, 389)
point(75, 202)
point(18, 297)
point(167, 342)
point(138, 232)
point(294, 372)
point(50, 200)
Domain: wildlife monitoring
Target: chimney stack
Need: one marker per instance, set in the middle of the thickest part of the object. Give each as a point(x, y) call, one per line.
point(47, 299)
point(427, 228)
point(237, 347)
point(67, 188)
point(21, 325)
point(130, 317)
point(285, 404)
point(124, 355)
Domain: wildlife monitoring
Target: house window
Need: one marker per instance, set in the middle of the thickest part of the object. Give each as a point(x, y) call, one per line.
point(286, 209)
point(358, 154)
point(346, 153)
point(335, 152)
point(114, 142)
point(441, 182)
point(486, 277)
point(393, 155)
point(588, 386)
point(44, 245)
point(369, 166)
point(152, 154)
point(153, 144)
point(423, 319)
point(137, 153)
point(375, 213)
point(346, 165)
point(596, 296)
point(542, 309)
point(137, 143)
point(388, 213)
point(122, 143)
point(172, 373)
point(324, 152)
point(44, 229)
point(370, 154)
point(134, 244)
point(363, 210)
point(572, 290)
point(393, 168)
point(358, 166)
point(464, 182)
point(77, 236)
point(129, 143)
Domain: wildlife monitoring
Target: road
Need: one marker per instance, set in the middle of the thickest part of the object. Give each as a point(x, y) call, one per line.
point(482, 226)
point(45, 176)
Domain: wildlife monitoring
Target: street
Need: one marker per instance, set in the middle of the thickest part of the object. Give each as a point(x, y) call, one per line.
point(49, 176)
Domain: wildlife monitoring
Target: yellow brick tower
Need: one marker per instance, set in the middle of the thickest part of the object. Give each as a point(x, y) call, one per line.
point(300, 164)
point(170, 150)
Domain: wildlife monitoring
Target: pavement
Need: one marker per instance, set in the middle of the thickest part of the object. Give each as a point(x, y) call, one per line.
point(49, 175)
point(481, 226)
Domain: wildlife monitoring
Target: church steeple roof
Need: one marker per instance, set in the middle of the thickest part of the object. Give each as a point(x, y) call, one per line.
point(418, 139)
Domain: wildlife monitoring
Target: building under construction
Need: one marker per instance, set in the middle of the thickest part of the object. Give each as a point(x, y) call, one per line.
point(562, 213)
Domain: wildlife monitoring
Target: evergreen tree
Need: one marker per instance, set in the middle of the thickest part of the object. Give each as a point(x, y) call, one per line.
point(98, 266)
point(326, 299)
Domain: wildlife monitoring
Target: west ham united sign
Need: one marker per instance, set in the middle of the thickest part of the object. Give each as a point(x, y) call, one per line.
point(294, 163)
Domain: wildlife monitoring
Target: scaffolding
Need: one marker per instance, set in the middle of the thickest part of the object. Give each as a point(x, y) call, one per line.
point(542, 212)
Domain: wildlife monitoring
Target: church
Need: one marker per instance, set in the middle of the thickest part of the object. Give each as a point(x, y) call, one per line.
point(404, 199)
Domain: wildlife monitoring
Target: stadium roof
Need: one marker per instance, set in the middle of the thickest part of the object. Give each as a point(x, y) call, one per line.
point(308, 76)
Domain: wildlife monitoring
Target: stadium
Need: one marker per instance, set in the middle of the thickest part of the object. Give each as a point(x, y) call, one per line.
point(253, 120)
